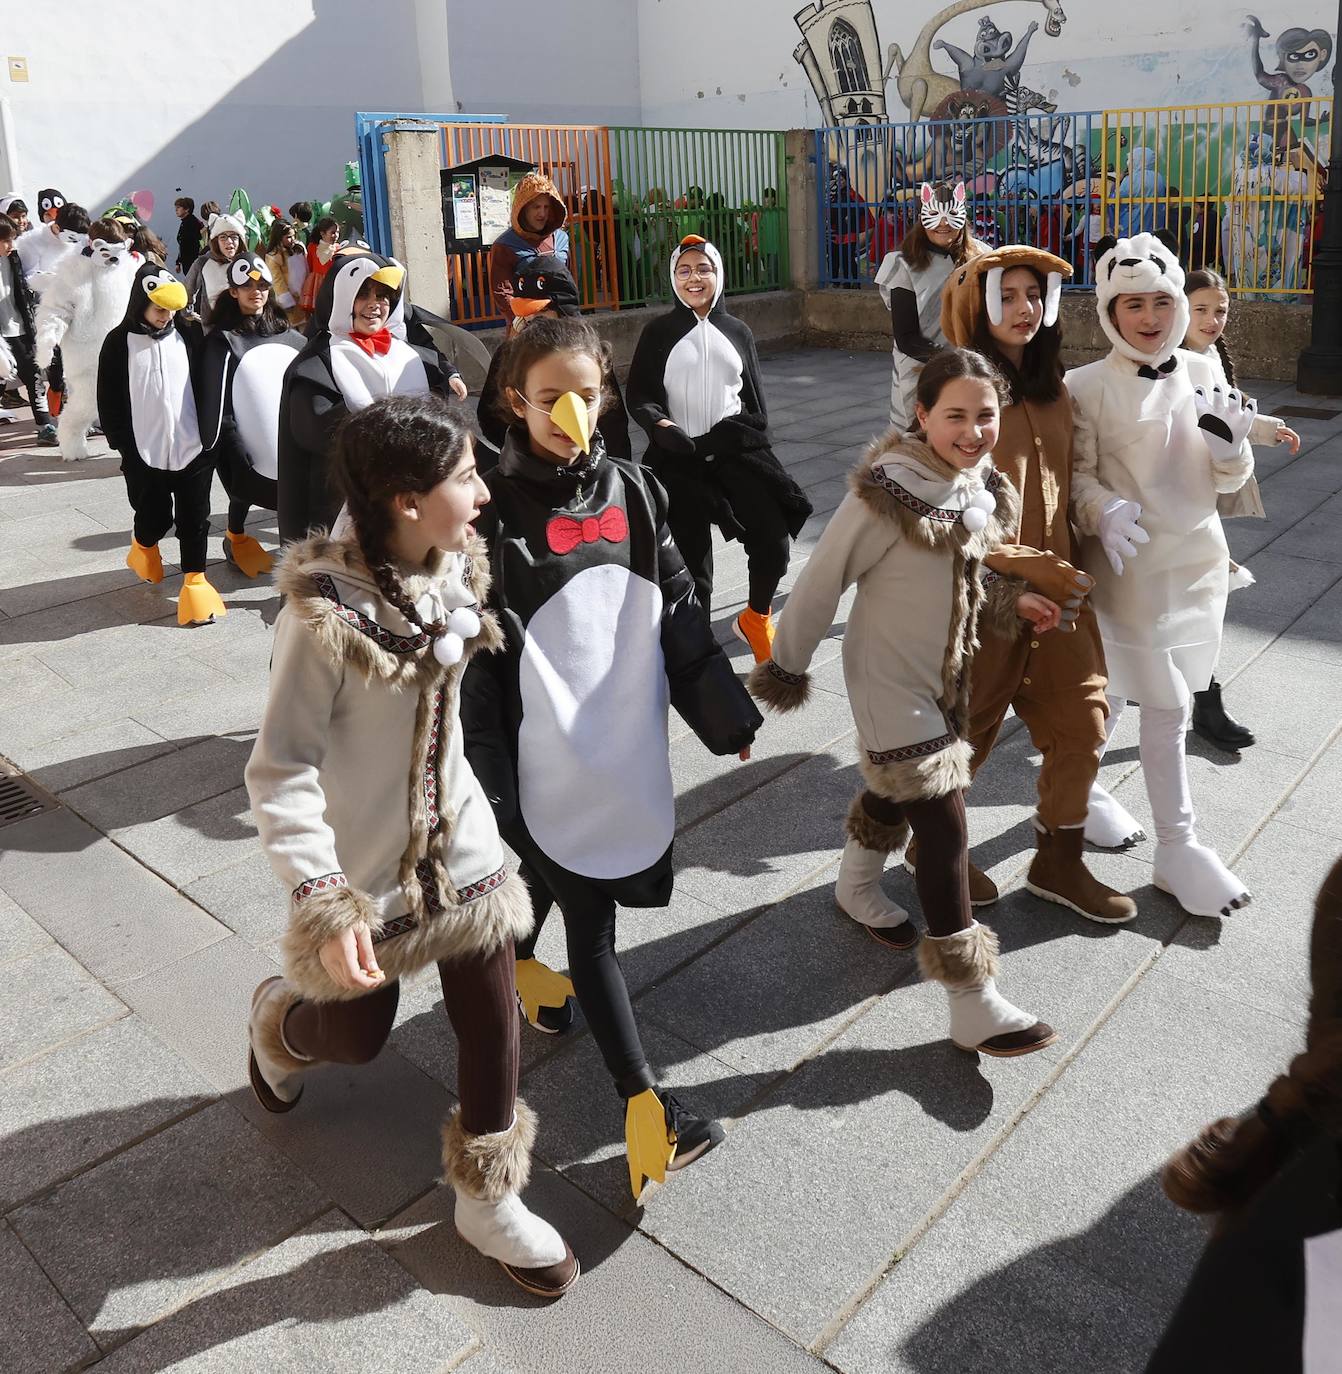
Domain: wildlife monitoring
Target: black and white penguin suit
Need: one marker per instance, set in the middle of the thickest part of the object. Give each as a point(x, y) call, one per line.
point(333, 377)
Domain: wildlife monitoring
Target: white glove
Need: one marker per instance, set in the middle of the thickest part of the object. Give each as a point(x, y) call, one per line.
point(1225, 418)
point(1120, 533)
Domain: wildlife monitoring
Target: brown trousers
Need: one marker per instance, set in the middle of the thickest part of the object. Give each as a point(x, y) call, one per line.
point(481, 1000)
point(1055, 682)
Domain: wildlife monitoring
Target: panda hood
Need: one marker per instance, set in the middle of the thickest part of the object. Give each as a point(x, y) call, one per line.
point(1143, 265)
point(158, 286)
point(693, 243)
point(334, 310)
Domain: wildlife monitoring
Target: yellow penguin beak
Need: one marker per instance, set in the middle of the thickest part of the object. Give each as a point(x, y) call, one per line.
point(390, 276)
point(170, 296)
point(569, 413)
point(254, 275)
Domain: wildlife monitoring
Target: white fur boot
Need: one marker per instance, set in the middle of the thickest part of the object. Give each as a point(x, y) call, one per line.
point(1190, 872)
point(965, 964)
point(857, 889)
point(1109, 825)
point(488, 1173)
point(274, 1070)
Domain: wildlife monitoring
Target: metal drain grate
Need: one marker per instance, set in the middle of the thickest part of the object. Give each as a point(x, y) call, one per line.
point(1306, 412)
point(19, 799)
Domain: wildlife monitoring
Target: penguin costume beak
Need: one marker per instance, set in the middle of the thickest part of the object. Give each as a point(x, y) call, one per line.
point(569, 413)
point(254, 275)
point(392, 277)
point(170, 296)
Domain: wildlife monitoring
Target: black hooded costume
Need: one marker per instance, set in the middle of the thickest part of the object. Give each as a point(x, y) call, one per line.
point(333, 376)
point(146, 403)
point(714, 458)
point(566, 727)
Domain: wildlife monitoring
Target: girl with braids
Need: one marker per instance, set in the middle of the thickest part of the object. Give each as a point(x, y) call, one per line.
point(388, 878)
point(1209, 312)
point(1274, 1175)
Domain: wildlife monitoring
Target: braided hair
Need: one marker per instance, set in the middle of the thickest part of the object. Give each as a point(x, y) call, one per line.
point(399, 445)
point(1204, 279)
point(1232, 1160)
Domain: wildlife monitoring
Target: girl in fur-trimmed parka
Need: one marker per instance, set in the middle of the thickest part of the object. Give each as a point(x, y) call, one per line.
point(1158, 441)
point(376, 825)
point(923, 511)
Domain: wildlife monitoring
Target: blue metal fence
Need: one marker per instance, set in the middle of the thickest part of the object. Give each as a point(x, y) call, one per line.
point(1029, 179)
point(369, 126)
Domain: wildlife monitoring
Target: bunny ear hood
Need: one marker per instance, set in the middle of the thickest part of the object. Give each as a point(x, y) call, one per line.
point(975, 289)
point(1143, 265)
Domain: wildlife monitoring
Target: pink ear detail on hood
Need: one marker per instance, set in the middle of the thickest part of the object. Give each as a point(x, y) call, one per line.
point(925, 191)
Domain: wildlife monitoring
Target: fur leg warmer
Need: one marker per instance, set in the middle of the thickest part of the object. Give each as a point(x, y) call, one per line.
point(966, 959)
point(873, 834)
point(489, 1167)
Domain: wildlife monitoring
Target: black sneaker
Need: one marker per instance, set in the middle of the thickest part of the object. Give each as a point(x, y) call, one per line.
point(694, 1135)
point(47, 438)
point(549, 1020)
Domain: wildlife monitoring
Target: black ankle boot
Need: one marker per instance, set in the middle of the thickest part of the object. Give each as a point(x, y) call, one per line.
point(1210, 722)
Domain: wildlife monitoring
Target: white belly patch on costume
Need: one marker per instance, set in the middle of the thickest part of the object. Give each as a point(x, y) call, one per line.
point(256, 403)
point(594, 773)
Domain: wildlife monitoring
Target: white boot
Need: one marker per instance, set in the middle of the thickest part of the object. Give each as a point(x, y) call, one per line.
point(965, 964)
point(858, 889)
point(488, 1173)
point(275, 1071)
point(1110, 825)
point(1190, 872)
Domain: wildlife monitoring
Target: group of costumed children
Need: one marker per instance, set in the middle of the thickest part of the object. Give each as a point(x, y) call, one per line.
point(479, 644)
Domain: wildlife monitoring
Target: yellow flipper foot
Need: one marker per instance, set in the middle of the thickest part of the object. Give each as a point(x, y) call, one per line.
point(539, 986)
point(756, 630)
point(648, 1143)
point(251, 558)
point(145, 562)
point(199, 603)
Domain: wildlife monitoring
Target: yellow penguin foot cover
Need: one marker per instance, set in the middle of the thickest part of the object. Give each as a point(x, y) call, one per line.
point(145, 562)
point(251, 558)
point(648, 1143)
point(538, 985)
point(199, 603)
point(756, 630)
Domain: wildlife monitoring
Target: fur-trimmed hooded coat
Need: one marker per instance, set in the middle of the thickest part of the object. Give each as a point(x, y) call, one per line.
point(921, 591)
point(366, 806)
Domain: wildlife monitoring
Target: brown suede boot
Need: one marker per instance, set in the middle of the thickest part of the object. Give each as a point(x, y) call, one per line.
point(1058, 875)
point(982, 890)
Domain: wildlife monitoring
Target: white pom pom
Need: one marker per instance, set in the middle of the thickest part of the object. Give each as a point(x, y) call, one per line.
point(464, 622)
point(973, 519)
point(448, 649)
point(984, 501)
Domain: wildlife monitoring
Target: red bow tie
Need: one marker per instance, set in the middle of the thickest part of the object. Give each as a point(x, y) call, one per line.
point(564, 534)
point(374, 343)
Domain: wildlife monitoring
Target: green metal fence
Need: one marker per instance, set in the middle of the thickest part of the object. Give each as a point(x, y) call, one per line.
point(728, 185)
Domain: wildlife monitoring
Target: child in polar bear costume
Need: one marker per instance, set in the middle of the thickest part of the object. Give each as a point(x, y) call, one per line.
point(86, 299)
point(1157, 439)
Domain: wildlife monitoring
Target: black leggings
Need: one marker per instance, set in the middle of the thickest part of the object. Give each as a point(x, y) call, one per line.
point(31, 376)
point(766, 540)
point(481, 1001)
point(942, 877)
point(246, 488)
point(162, 499)
point(589, 925)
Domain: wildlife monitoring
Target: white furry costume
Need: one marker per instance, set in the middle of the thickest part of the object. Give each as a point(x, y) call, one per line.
point(1157, 439)
point(86, 299)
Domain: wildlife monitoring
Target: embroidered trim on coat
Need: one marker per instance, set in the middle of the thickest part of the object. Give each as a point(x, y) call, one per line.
point(782, 674)
point(432, 762)
point(920, 507)
point(328, 882)
point(401, 925)
point(379, 634)
point(912, 751)
point(476, 890)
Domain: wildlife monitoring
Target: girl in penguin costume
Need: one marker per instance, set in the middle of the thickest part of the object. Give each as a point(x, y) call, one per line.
point(356, 352)
point(207, 277)
point(911, 281)
point(86, 299)
point(923, 512)
point(567, 727)
point(695, 387)
point(239, 382)
point(1004, 303)
point(375, 824)
point(148, 409)
point(1158, 440)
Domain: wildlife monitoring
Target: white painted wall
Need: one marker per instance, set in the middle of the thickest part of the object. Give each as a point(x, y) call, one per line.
point(163, 95)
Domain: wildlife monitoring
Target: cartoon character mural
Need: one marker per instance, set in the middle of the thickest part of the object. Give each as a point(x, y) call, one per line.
point(995, 69)
point(1301, 54)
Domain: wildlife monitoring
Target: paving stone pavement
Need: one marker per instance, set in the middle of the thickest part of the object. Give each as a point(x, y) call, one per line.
point(882, 1202)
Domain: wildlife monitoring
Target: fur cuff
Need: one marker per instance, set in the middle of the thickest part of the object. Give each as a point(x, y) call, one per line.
point(317, 916)
point(920, 779)
point(777, 689)
point(998, 612)
point(879, 836)
point(966, 959)
point(489, 1167)
point(267, 1033)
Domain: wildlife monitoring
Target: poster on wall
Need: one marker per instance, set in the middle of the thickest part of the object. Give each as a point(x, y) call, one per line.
point(495, 203)
point(465, 208)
